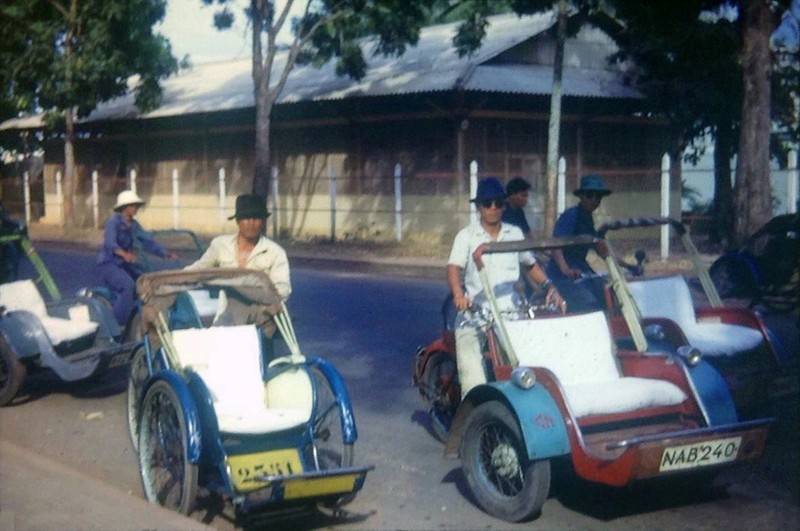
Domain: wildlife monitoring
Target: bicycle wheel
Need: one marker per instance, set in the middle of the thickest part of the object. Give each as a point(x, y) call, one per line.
point(168, 477)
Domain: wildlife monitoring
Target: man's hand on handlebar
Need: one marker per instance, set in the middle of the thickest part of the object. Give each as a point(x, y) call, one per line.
point(461, 302)
point(555, 299)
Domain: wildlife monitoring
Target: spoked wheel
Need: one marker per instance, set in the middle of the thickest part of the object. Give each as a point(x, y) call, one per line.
point(136, 380)
point(12, 373)
point(505, 483)
point(328, 450)
point(168, 478)
point(442, 391)
point(733, 278)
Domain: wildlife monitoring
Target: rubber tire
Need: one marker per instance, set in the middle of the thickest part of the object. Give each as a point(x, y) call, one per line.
point(487, 424)
point(162, 418)
point(328, 436)
point(439, 393)
point(12, 373)
point(733, 279)
point(137, 376)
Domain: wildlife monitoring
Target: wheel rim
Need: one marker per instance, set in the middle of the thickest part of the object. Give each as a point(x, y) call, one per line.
point(162, 451)
point(328, 449)
point(136, 378)
point(500, 460)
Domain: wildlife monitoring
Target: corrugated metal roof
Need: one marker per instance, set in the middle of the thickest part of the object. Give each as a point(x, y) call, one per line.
point(432, 65)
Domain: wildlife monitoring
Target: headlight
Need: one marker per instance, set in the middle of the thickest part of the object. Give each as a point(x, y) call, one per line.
point(691, 354)
point(523, 377)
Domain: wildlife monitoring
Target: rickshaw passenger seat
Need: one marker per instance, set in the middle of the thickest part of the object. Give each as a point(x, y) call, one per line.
point(24, 295)
point(670, 298)
point(228, 360)
point(578, 350)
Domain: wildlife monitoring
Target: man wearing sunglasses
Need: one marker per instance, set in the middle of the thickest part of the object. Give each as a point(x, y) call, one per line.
point(503, 270)
point(567, 265)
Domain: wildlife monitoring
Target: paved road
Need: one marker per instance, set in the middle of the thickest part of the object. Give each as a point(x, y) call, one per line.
point(369, 326)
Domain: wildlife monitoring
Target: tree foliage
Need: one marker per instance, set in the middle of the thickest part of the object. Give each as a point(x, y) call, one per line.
point(64, 57)
point(322, 31)
point(699, 67)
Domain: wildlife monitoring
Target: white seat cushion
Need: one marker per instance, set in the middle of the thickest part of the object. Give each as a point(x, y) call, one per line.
point(23, 295)
point(228, 359)
point(577, 349)
point(670, 298)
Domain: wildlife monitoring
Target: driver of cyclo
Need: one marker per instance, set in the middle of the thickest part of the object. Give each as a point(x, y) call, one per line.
point(503, 270)
point(568, 268)
point(249, 248)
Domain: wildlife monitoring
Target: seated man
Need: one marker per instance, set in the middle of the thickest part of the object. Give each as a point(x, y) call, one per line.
point(504, 272)
point(568, 265)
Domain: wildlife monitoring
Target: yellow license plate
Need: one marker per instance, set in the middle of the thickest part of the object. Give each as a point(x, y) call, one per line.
point(306, 488)
point(246, 468)
point(700, 454)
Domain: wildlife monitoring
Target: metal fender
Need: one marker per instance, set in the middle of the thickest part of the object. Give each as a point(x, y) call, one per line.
point(538, 415)
point(713, 394)
point(191, 415)
point(342, 398)
point(20, 330)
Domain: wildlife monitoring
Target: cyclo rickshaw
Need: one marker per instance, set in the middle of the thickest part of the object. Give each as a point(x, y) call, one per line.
point(734, 339)
point(211, 404)
point(610, 394)
point(74, 337)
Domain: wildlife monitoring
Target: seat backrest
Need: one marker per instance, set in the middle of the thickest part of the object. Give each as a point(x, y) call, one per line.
point(228, 359)
point(576, 348)
point(667, 297)
point(23, 295)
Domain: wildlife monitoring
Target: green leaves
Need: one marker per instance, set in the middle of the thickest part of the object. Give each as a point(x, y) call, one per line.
point(78, 53)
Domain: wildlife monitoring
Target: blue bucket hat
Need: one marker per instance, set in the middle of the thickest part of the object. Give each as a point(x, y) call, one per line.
point(592, 183)
point(489, 188)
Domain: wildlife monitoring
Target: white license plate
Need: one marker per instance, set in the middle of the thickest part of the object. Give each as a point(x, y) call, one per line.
point(700, 454)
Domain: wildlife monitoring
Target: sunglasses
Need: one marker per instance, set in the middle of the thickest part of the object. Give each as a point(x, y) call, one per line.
point(487, 203)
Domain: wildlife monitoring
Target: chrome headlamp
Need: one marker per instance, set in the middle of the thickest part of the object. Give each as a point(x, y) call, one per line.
point(523, 377)
point(691, 354)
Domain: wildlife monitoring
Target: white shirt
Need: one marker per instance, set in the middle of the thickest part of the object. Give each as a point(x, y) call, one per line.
point(266, 256)
point(502, 268)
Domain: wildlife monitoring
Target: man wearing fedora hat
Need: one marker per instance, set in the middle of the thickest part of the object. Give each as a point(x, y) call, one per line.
point(569, 264)
point(117, 259)
point(249, 248)
point(504, 272)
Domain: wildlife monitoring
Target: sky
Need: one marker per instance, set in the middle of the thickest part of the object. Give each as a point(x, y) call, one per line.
point(190, 28)
point(189, 25)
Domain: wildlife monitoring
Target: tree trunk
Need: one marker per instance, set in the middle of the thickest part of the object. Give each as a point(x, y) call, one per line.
point(554, 128)
point(69, 172)
point(263, 100)
point(752, 198)
point(262, 170)
point(723, 190)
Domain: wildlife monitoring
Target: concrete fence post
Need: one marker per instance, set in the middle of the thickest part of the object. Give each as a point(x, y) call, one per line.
point(473, 189)
point(332, 190)
point(95, 200)
point(26, 194)
point(176, 200)
point(398, 203)
point(132, 184)
point(665, 166)
point(59, 198)
point(561, 190)
point(222, 194)
point(792, 178)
